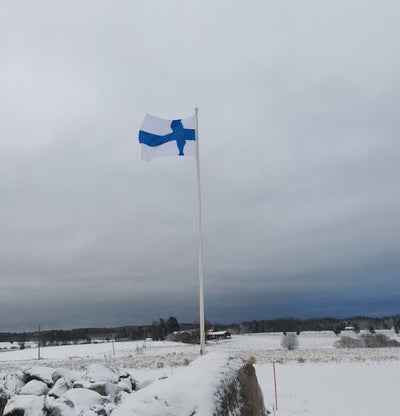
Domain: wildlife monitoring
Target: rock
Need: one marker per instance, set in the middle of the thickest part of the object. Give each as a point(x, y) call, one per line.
point(99, 372)
point(133, 382)
point(3, 399)
point(124, 385)
point(98, 410)
point(243, 393)
point(25, 405)
point(13, 383)
point(48, 401)
point(36, 387)
point(120, 397)
point(60, 387)
point(67, 374)
point(81, 384)
point(57, 408)
point(66, 401)
point(82, 398)
point(144, 383)
point(4, 392)
point(39, 373)
point(109, 407)
point(104, 388)
point(122, 373)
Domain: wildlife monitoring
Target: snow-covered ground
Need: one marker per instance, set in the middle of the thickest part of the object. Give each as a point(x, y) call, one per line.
point(339, 389)
point(316, 379)
point(4, 346)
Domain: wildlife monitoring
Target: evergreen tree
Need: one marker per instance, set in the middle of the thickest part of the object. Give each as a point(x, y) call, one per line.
point(172, 324)
point(396, 324)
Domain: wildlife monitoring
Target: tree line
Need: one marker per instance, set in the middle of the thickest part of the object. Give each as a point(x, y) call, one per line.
point(158, 330)
point(321, 324)
point(161, 328)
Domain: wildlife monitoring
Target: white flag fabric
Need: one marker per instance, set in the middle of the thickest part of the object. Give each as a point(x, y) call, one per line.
point(161, 137)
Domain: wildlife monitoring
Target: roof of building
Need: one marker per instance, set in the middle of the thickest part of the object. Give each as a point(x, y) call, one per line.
point(217, 332)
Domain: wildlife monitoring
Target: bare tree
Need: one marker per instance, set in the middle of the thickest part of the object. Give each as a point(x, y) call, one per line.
point(289, 341)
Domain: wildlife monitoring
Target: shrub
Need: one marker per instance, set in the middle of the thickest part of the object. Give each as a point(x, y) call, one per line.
point(188, 337)
point(396, 324)
point(367, 341)
point(252, 359)
point(379, 341)
point(289, 341)
point(347, 342)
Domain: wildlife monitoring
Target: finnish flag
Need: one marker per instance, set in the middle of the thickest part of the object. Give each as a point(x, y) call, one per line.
point(160, 137)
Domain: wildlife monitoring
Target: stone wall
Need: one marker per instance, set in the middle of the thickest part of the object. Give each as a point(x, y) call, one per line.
point(213, 385)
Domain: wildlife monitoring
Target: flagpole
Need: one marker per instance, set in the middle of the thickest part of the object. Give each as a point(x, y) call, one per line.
point(201, 281)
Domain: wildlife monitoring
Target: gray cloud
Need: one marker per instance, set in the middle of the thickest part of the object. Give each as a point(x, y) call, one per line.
point(299, 121)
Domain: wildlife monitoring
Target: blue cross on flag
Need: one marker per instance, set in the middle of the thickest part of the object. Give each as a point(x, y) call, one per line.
point(160, 137)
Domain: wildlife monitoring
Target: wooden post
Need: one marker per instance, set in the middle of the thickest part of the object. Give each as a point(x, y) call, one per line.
point(276, 393)
point(39, 345)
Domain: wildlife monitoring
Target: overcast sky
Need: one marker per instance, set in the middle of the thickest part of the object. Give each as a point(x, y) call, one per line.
point(300, 160)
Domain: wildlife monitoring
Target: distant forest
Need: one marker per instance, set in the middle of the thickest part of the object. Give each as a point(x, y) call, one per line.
point(321, 324)
point(161, 329)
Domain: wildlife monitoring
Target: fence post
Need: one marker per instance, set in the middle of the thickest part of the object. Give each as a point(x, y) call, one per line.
point(276, 393)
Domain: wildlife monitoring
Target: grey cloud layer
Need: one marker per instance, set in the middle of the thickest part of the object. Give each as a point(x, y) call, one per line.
point(299, 121)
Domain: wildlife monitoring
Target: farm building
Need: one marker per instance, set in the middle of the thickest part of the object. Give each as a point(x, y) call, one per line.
point(217, 335)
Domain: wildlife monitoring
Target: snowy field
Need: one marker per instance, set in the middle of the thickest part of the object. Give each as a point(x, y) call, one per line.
point(339, 389)
point(316, 379)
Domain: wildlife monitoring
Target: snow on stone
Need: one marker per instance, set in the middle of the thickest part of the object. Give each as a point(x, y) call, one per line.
point(82, 398)
point(3, 393)
point(180, 395)
point(99, 372)
point(104, 388)
point(3, 399)
point(40, 373)
point(35, 387)
point(81, 384)
point(29, 405)
point(57, 408)
point(66, 374)
point(61, 386)
point(13, 382)
point(124, 385)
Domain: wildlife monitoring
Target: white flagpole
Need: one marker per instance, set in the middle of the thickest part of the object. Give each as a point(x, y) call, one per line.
point(201, 281)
